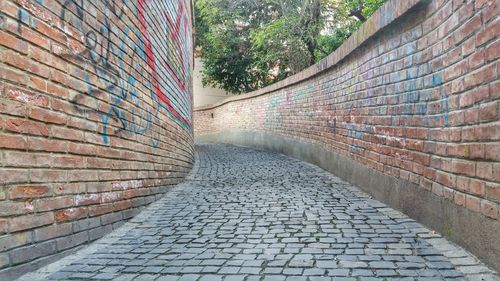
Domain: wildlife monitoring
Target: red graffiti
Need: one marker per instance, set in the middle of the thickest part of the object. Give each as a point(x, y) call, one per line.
point(175, 36)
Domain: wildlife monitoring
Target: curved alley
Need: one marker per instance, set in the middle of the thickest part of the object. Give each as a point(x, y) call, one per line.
point(244, 214)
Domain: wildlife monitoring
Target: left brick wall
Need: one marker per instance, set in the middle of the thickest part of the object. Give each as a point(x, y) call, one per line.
point(95, 118)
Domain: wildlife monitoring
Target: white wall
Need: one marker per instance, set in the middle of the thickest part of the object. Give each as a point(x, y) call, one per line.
point(204, 95)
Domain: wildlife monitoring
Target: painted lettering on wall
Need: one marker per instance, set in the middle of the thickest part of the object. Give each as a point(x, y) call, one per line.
point(139, 78)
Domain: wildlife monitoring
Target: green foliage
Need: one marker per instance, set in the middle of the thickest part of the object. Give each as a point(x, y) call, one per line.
point(249, 44)
point(329, 43)
point(369, 6)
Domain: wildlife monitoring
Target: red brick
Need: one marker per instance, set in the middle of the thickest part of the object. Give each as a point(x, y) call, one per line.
point(473, 203)
point(34, 37)
point(463, 167)
point(38, 84)
point(489, 209)
point(489, 111)
point(492, 151)
point(12, 141)
point(476, 59)
point(493, 51)
point(476, 187)
point(26, 159)
point(25, 96)
point(3, 226)
point(53, 203)
point(448, 193)
point(122, 205)
point(65, 161)
point(82, 149)
point(47, 116)
point(87, 199)
point(98, 186)
point(490, 131)
point(483, 75)
point(25, 126)
point(48, 145)
point(476, 151)
point(46, 175)
point(9, 208)
point(99, 163)
point(469, 27)
point(495, 89)
point(471, 115)
point(479, 3)
point(49, 31)
point(29, 191)
point(70, 188)
point(108, 197)
point(30, 221)
point(14, 175)
point(456, 70)
point(489, 32)
point(82, 124)
point(66, 133)
point(12, 42)
point(468, 46)
point(446, 179)
point(71, 214)
point(459, 198)
point(491, 10)
point(102, 209)
point(485, 170)
point(496, 171)
point(46, 58)
point(56, 90)
point(25, 64)
point(82, 175)
point(60, 77)
point(492, 191)
point(13, 76)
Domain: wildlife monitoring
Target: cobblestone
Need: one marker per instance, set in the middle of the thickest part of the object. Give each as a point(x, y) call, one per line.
point(245, 215)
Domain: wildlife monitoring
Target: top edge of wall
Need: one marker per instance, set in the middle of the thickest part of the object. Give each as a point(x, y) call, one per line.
point(385, 15)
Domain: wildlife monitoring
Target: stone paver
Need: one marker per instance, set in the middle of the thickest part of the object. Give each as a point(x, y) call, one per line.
point(247, 215)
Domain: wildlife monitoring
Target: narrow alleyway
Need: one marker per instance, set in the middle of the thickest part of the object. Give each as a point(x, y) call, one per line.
point(250, 215)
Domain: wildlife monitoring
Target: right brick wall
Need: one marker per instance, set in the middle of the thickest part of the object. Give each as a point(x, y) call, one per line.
point(414, 94)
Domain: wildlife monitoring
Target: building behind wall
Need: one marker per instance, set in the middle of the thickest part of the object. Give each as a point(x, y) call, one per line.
point(204, 95)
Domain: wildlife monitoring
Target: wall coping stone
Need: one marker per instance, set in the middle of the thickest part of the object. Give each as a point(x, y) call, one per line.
point(385, 15)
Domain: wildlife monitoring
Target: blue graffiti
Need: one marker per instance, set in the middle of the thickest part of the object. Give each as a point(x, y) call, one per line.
point(127, 84)
point(273, 116)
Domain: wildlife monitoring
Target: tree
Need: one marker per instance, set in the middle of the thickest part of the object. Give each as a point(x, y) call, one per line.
point(249, 44)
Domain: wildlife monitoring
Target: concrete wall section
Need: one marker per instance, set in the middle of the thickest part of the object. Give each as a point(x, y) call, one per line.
point(204, 95)
point(414, 96)
point(95, 118)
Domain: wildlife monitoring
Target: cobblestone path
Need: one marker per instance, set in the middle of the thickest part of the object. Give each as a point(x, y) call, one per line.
point(250, 215)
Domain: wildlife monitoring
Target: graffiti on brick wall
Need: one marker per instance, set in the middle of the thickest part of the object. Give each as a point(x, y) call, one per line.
point(169, 51)
point(139, 77)
point(273, 118)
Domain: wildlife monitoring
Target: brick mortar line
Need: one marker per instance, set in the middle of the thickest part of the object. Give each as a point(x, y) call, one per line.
point(449, 249)
point(111, 237)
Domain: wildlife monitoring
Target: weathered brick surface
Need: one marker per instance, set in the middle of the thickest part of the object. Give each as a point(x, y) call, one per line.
point(419, 100)
point(95, 117)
